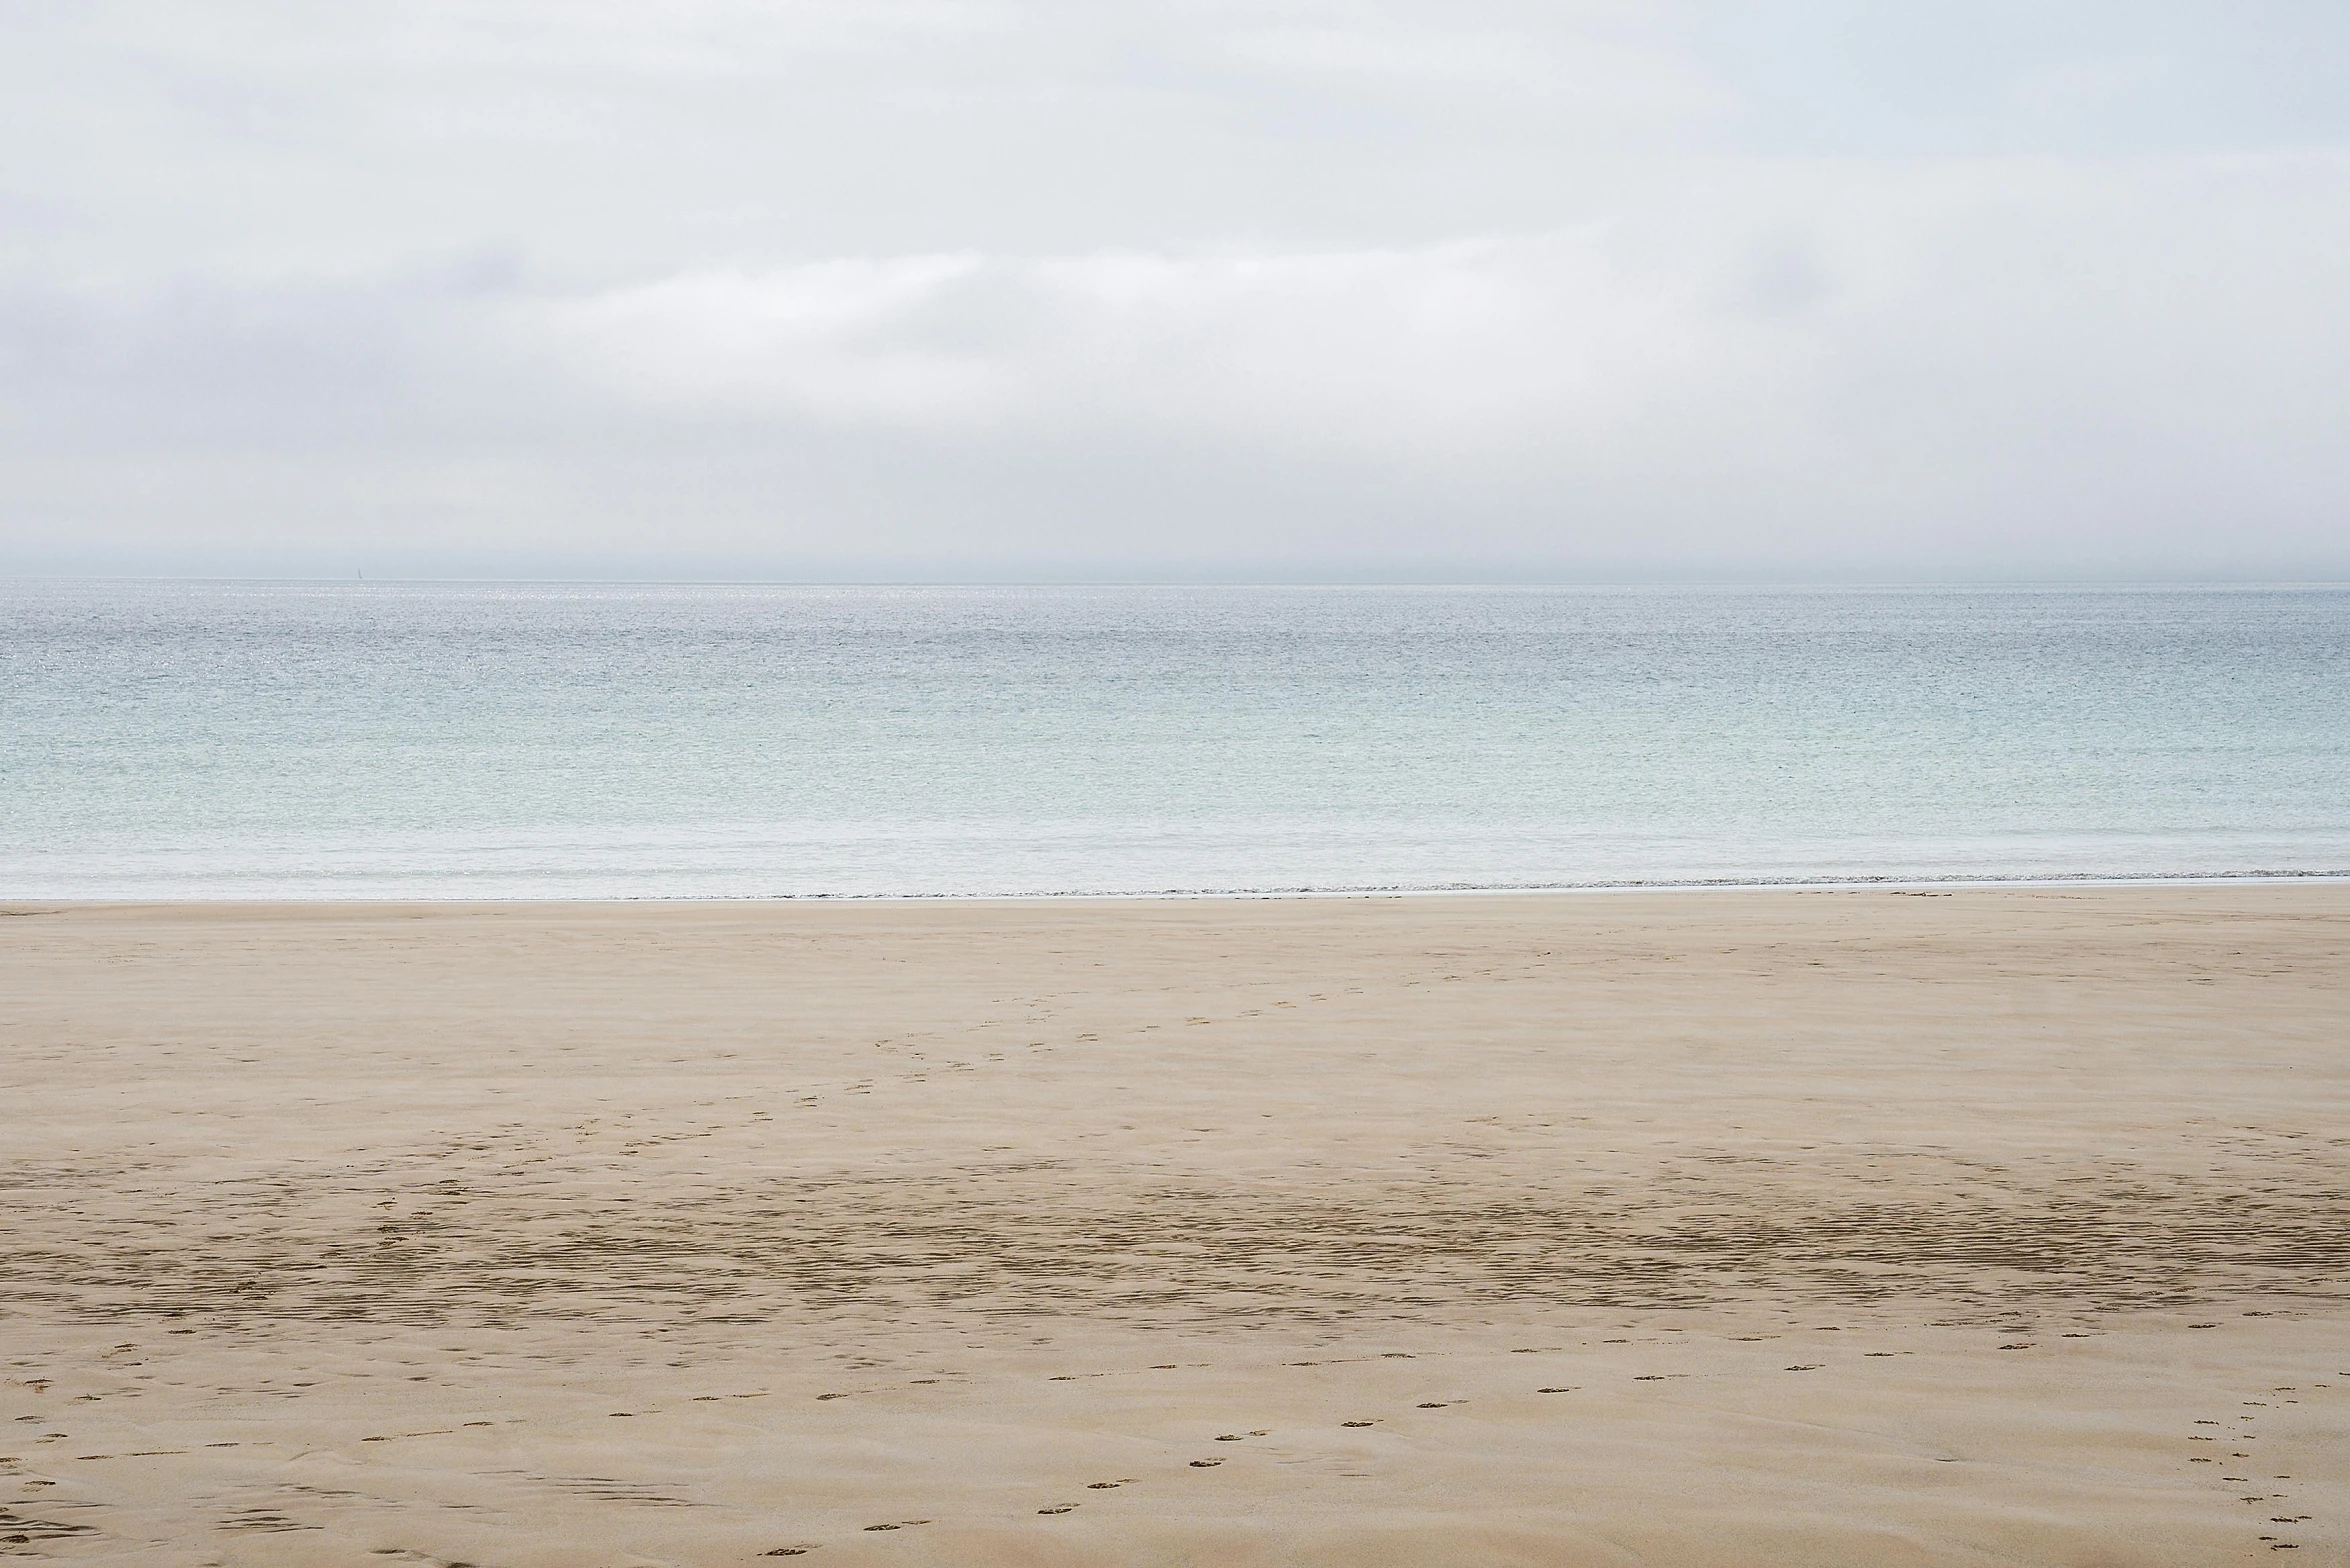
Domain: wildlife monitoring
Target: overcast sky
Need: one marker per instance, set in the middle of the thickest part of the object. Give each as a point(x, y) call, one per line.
point(984, 288)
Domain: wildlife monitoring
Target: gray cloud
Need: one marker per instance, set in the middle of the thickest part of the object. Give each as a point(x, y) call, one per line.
point(1035, 287)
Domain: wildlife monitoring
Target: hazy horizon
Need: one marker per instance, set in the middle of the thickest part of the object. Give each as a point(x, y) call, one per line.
point(382, 568)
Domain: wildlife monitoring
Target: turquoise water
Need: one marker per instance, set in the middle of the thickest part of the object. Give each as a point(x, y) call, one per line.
point(188, 740)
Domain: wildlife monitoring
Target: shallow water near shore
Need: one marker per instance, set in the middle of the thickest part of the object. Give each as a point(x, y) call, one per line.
point(350, 740)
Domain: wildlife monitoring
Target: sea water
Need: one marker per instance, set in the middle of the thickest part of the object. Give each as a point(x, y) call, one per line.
point(365, 740)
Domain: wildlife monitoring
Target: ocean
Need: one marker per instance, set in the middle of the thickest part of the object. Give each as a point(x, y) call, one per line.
point(192, 740)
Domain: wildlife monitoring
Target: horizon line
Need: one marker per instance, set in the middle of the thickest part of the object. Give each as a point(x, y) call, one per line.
point(358, 578)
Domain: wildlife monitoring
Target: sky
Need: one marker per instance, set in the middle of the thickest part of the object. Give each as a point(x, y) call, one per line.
point(983, 289)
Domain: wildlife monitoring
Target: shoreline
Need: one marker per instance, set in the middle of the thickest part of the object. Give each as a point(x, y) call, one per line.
point(1888, 883)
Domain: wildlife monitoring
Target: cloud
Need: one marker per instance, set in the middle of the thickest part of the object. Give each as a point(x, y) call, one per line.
point(1704, 355)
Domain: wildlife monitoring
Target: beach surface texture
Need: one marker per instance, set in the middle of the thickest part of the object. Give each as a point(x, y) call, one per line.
point(1867, 1227)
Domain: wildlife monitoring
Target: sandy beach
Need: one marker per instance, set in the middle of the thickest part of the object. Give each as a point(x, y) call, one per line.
point(1987, 1226)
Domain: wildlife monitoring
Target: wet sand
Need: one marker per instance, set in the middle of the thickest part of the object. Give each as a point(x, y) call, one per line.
point(1854, 1227)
